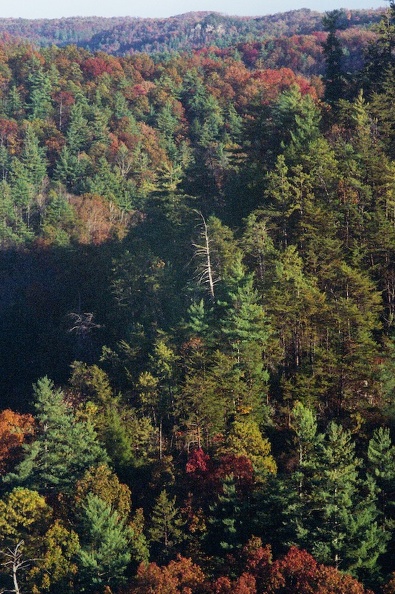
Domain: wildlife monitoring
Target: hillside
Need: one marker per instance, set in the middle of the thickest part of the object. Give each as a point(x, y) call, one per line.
point(197, 312)
point(121, 36)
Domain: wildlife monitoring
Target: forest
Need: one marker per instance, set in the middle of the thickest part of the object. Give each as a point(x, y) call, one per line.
point(197, 311)
point(186, 32)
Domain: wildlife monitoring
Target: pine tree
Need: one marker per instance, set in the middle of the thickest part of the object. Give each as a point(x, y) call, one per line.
point(14, 104)
point(27, 173)
point(33, 158)
point(226, 521)
point(294, 125)
point(379, 59)
point(210, 398)
point(381, 457)
point(77, 135)
point(165, 530)
point(336, 519)
point(284, 205)
point(334, 75)
point(245, 330)
point(39, 101)
point(64, 448)
point(382, 108)
point(304, 425)
point(105, 545)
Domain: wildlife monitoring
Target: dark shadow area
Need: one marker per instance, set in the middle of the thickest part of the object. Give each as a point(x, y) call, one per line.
point(61, 304)
point(39, 290)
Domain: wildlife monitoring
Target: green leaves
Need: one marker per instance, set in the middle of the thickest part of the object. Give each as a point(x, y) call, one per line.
point(64, 448)
point(165, 526)
point(105, 545)
point(335, 513)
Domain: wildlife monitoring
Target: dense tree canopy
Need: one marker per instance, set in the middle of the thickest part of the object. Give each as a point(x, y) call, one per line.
point(197, 259)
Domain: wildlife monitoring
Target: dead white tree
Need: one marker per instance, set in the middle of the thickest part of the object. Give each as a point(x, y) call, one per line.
point(15, 562)
point(83, 323)
point(205, 270)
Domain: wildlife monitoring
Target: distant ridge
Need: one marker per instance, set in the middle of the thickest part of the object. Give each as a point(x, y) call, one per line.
point(192, 30)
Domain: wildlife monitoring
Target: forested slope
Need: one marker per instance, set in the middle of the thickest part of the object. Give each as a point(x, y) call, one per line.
point(193, 30)
point(197, 256)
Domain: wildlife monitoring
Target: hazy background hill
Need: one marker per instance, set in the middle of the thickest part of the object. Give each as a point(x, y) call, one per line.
point(193, 30)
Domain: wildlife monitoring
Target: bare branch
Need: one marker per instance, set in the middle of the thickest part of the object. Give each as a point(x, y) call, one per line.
point(83, 323)
point(206, 273)
point(15, 562)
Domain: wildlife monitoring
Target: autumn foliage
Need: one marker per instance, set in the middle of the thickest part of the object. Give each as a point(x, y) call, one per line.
point(295, 573)
point(14, 429)
point(197, 304)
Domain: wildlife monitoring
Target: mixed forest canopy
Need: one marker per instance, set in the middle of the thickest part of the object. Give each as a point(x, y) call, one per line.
point(193, 30)
point(197, 304)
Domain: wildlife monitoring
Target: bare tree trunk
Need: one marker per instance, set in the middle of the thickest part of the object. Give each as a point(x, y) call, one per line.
point(15, 562)
point(206, 274)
